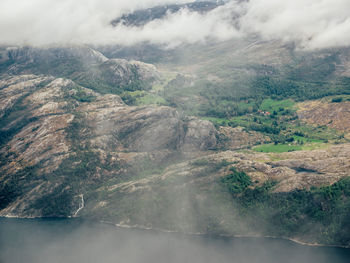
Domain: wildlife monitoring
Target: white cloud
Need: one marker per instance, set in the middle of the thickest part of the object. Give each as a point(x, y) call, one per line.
point(50, 21)
point(181, 27)
point(309, 23)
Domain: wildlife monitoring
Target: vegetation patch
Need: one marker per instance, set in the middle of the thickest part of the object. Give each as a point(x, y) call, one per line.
point(236, 182)
point(150, 99)
point(322, 214)
point(82, 96)
point(142, 98)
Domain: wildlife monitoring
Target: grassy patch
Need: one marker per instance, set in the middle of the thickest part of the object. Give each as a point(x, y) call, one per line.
point(279, 148)
point(217, 121)
point(150, 99)
point(276, 105)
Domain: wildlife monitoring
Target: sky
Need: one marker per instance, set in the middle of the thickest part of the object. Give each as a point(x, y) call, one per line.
point(310, 24)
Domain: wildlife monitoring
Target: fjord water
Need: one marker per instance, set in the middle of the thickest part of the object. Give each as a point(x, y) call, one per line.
point(64, 240)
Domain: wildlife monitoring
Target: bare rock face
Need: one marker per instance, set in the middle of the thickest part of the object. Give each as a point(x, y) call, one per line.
point(145, 129)
point(200, 135)
point(151, 129)
point(123, 72)
point(136, 129)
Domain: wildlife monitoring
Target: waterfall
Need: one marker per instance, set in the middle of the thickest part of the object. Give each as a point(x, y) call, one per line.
point(81, 205)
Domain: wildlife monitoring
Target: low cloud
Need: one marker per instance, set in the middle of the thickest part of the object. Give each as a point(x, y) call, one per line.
point(38, 22)
point(182, 27)
point(310, 24)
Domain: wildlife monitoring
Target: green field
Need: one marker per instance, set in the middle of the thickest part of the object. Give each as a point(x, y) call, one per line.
point(279, 148)
point(276, 105)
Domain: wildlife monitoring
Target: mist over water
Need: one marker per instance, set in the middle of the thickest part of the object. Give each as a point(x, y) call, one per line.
point(39, 241)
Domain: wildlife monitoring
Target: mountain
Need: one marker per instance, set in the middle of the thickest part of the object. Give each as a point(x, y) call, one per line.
point(144, 16)
point(242, 137)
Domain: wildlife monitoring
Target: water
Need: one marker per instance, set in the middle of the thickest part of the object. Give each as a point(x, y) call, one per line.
point(54, 240)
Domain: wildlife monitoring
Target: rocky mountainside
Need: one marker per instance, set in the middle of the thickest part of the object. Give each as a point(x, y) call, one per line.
point(49, 122)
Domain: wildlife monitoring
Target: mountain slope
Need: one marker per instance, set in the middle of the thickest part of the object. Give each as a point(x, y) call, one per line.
point(214, 141)
point(57, 136)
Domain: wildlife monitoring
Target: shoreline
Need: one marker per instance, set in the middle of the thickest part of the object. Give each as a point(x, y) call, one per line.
point(296, 241)
point(138, 227)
